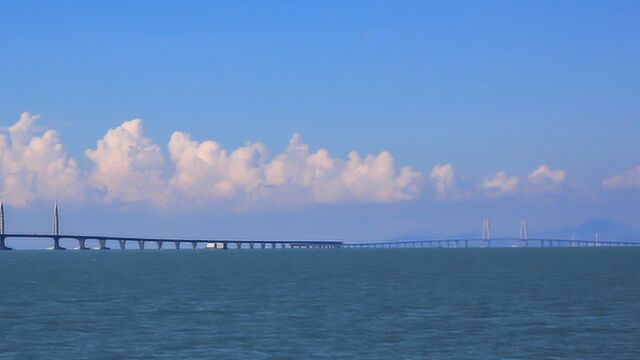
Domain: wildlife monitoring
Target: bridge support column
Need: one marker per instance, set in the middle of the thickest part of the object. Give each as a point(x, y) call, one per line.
point(103, 244)
point(159, 243)
point(238, 246)
point(466, 243)
point(123, 244)
point(82, 245)
point(250, 245)
point(263, 245)
point(177, 245)
point(3, 246)
point(141, 244)
point(194, 245)
point(56, 244)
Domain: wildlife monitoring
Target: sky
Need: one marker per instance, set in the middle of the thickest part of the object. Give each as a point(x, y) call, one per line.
point(353, 120)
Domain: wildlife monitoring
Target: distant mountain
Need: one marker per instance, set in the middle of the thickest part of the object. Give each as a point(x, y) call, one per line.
point(606, 230)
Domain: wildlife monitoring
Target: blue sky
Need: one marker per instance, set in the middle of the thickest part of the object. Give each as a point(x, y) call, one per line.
point(484, 87)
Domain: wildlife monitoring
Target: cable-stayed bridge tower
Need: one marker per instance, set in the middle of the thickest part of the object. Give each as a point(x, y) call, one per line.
point(55, 227)
point(3, 246)
point(486, 234)
point(524, 234)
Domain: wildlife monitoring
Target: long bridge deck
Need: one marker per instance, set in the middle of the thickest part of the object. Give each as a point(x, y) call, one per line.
point(222, 243)
point(226, 243)
point(502, 242)
point(239, 243)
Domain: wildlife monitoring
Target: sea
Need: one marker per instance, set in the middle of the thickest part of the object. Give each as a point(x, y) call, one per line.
point(522, 303)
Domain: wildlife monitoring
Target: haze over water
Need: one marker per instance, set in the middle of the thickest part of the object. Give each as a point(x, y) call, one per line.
point(347, 303)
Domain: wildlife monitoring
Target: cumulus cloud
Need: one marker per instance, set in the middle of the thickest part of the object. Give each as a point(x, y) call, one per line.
point(630, 179)
point(36, 166)
point(544, 180)
point(500, 184)
point(447, 184)
point(443, 177)
point(205, 169)
point(129, 167)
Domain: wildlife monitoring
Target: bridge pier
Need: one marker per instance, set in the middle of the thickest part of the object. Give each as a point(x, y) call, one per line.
point(238, 246)
point(103, 244)
point(123, 244)
point(263, 245)
point(250, 245)
point(56, 244)
point(194, 245)
point(3, 246)
point(177, 245)
point(82, 245)
point(141, 244)
point(159, 243)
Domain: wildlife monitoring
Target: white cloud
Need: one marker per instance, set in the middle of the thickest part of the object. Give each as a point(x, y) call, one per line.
point(443, 177)
point(129, 167)
point(206, 170)
point(544, 180)
point(36, 167)
point(500, 184)
point(630, 179)
point(447, 185)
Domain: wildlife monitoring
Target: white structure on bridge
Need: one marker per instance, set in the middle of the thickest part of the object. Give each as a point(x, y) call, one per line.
point(486, 234)
point(3, 246)
point(524, 234)
point(1, 218)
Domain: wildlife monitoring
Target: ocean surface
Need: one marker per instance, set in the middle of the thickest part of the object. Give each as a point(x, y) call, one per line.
point(558, 303)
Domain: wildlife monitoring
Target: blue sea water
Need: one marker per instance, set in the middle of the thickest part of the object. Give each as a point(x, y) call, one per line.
point(559, 303)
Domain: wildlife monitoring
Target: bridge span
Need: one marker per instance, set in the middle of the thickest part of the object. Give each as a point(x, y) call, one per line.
point(177, 243)
point(121, 241)
point(238, 243)
point(483, 243)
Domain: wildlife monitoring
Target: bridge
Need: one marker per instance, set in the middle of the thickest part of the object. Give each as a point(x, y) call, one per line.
point(484, 241)
point(121, 241)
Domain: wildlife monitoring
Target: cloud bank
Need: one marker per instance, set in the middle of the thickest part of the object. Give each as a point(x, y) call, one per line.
point(128, 167)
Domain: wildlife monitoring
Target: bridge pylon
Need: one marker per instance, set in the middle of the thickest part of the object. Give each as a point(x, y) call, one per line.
point(55, 222)
point(3, 246)
point(486, 234)
point(524, 234)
